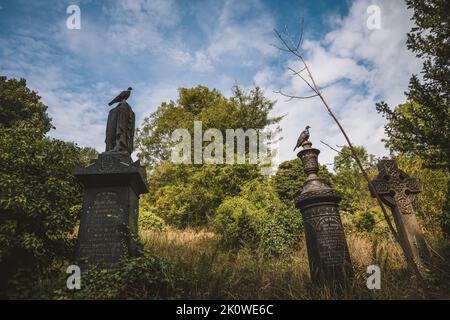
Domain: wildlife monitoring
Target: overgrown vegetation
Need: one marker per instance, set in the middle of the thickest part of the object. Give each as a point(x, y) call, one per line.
point(39, 197)
point(420, 127)
point(190, 264)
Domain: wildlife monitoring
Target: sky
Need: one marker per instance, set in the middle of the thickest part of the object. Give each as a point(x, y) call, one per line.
point(158, 46)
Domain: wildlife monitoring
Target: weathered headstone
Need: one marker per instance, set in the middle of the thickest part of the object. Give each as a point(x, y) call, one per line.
point(398, 191)
point(112, 185)
point(328, 254)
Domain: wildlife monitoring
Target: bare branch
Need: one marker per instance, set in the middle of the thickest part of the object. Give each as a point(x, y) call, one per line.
point(293, 51)
point(288, 35)
point(300, 40)
point(296, 72)
point(338, 151)
point(279, 48)
point(301, 77)
point(294, 97)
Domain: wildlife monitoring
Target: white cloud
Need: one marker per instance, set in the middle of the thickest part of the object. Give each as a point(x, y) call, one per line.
point(134, 25)
point(240, 34)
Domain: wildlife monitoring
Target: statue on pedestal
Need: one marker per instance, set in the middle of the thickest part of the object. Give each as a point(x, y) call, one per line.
point(120, 125)
point(112, 184)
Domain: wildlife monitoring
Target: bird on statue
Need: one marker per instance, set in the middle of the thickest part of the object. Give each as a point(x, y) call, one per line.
point(304, 136)
point(123, 96)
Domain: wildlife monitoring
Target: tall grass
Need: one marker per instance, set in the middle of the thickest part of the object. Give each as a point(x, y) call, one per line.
point(210, 272)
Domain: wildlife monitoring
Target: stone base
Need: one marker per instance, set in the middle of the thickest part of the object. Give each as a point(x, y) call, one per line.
point(329, 258)
point(109, 219)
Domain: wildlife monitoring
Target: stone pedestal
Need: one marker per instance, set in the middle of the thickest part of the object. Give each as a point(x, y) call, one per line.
point(328, 254)
point(109, 219)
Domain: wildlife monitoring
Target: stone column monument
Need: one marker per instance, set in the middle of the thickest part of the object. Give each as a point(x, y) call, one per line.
point(328, 254)
point(112, 185)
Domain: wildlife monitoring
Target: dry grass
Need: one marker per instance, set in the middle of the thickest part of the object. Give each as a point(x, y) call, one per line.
point(213, 273)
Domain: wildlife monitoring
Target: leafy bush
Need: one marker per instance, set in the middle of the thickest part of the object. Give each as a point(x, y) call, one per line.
point(238, 222)
point(148, 220)
point(38, 192)
point(186, 196)
point(37, 204)
point(363, 221)
point(146, 277)
point(280, 233)
point(259, 219)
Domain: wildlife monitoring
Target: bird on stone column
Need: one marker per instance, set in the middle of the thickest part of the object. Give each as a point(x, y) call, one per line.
point(123, 96)
point(304, 136)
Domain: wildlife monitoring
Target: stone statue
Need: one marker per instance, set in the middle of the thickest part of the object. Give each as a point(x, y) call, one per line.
point(120, 125)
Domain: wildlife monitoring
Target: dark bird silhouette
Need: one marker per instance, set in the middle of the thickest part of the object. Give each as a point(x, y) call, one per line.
point(123, 96)
point(304, 136)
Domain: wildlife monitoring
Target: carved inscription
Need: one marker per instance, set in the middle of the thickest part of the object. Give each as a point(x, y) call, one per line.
point(329, 235)
point(331, 243)
point(101, 243)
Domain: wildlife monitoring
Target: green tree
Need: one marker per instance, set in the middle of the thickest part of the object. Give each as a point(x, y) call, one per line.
point(39, 197)
point(290, 177)
point(88, 154)
point(421, 126)
point(349, 181)
point(430, 201)
point(240, 111)
point(188, 195)
point(19, 106)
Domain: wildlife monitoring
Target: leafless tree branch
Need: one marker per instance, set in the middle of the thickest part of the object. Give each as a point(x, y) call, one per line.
point(294, 97)
point(323, 142)
point(304, 80)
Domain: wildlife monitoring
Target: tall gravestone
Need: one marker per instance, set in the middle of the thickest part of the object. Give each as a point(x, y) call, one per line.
point(328, 254)
point(112, 186)
point(398, 191)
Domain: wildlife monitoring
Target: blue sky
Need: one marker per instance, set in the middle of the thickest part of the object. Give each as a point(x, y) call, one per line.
point(157, 46)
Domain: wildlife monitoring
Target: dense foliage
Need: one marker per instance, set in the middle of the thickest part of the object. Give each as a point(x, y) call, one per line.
point(259, 219)
point(19, 106)
point(241, 111)
point(289, 179)
point(145, 277)
point(188, 195)
point(39, 197)
point(421, 126)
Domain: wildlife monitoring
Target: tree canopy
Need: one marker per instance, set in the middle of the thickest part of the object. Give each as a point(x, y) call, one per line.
point(39, 197)
point(188, 195)
point(421, 126)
